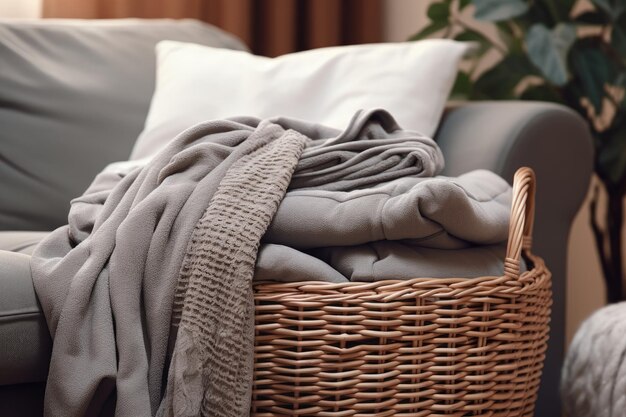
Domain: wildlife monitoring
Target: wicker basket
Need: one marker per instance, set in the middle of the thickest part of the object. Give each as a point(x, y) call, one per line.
point(422, 347)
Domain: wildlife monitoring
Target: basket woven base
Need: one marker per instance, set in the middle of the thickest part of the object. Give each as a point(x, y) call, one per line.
point(416, 348)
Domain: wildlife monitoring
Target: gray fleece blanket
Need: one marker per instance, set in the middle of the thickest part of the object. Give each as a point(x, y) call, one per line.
point(359, 201)
point(405, 228)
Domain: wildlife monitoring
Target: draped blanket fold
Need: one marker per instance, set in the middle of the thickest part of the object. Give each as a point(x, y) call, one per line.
point(148, 290)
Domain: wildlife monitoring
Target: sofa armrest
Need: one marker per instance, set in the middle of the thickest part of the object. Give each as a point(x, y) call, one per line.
point(25, 343)
point(500, 136)
point(553, 140)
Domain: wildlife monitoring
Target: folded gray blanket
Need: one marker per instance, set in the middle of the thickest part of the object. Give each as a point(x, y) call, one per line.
point(441, 212)
point(107, 281)
point(405, 228)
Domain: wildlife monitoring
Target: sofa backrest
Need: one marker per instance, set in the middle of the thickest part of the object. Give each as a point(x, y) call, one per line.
point(74, 95)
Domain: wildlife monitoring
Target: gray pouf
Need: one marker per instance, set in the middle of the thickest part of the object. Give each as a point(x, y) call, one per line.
point(593, 382)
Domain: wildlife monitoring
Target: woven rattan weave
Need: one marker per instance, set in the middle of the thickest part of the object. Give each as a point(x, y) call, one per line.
point(422, 347)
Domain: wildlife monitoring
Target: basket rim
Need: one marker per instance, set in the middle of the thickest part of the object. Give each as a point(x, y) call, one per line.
point(531, 281)
point(511, 283)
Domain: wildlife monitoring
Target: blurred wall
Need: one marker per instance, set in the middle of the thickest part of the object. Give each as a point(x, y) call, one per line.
point(20, 8)
point(402, 18)
point(585, 285)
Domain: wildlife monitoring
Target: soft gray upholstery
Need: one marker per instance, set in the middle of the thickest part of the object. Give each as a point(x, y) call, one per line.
point(48, 119)
point(555, 142)
point(24, 338)
point(73, 97)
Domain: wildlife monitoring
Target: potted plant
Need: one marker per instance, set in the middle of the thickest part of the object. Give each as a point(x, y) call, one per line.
point(561, 51)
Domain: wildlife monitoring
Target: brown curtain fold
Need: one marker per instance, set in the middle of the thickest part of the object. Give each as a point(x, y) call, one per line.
point(269, 27)
point(324, 34)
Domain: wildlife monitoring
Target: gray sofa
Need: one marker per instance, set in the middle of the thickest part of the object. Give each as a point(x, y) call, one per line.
point(73, 98)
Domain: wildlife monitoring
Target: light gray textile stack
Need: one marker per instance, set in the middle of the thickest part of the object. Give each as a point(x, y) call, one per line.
point(106, 281)
point(405, 228)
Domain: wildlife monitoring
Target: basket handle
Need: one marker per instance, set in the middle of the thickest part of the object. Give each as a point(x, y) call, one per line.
point(522, 219)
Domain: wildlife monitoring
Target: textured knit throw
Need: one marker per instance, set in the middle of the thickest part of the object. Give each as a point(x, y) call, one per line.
point(211, 369)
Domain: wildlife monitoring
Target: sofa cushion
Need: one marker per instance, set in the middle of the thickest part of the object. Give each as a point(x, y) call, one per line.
point(24, 338)
point(411, 80)
point(74, 95)
point(25, 342)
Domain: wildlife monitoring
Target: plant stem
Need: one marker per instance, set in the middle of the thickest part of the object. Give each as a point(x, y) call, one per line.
point(611, 256)
point(599, 238)
point(615, 221)
point(553, 11)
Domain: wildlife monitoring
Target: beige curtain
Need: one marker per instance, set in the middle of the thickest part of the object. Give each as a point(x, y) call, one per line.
point(269, 27)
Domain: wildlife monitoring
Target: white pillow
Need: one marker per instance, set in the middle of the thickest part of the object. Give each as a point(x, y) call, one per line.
point(412, 80)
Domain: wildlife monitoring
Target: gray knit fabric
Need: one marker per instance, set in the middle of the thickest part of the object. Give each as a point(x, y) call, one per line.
point(211, 367)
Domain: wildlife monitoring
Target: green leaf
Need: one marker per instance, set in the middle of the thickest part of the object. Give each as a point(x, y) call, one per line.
point(605, 5)
point(464, 3)
point(438, 12)
point(620, 81)
point(429, 30)
point(618, 40)
point(550, 12)
point(499, 82)
point(469, 35)
point(591, 18)
point(593, 69)
point(618, 37)
point(548, 50)
point(563, 7)
point(612, 154)
point(613, 8)
point(462, 86)
point(497, 10)
point(542, 92)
